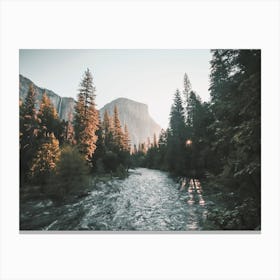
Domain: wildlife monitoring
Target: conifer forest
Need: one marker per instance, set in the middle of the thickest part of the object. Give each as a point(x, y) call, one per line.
point(202, 172)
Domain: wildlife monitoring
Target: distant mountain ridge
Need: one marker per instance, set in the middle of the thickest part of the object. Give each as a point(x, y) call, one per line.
point(137, 118)
point(63, 105)
point(134, 114)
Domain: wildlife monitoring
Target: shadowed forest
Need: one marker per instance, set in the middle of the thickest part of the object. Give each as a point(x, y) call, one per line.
point(87, 167)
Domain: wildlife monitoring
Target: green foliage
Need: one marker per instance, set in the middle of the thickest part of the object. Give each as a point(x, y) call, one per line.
point(45, 160)
point(118, 134)
point(110, 161)
point(121, 172)
point(113, 145)
point(199, 153)
point(138, 159)
point(28, 133)
point(99, 167)
point(241, 217)
point(100, 149)
point(38, 138)
point(236, 104)
point(69, 136)
point(48, 118)
point(176, 137)
point(219, 139)
point(126, 140)
point(86, 118)
point(224, 134)
point(71, 174)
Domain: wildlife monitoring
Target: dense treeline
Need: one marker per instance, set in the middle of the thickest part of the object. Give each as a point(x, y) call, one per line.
point(218, 141)
point(58, 155)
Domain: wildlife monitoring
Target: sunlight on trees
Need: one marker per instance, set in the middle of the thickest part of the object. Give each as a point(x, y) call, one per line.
point(216, 141)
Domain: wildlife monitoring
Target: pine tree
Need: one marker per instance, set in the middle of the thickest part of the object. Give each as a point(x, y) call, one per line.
point(143, 148)
point(118, 133)
point(134, 151)
point(187, 87)
point(162, 139)
point(97, 159)
point(235, 88)
point(28, 118)
point(156, 157)
point(176, 137)
point(86, 117)
point(222, 65)
point(126, 139)
point(199, 118)
point(177, 121)
point(45, 159)
point(48, 118)
point(186, 94)
point(247, 135)
point(155, 143)
point(69, 131)
point(108, 131)
point(148, 143)
point(28, 132)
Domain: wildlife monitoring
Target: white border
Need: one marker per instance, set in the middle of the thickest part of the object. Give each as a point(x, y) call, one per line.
point(156, 24)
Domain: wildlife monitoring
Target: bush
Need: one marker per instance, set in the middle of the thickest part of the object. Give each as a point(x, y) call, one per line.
point(71, 173)
point(245, 216)
point(121, 172)
point(100, 166)
point(110, 161)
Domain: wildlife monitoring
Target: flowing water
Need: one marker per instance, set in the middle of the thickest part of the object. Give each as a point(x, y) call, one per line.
point(148, 200)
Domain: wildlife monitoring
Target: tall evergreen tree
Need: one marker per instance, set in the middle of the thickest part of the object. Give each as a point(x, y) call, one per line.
point(97, 159)
point(48, 118)
point(177, 121)
point(162, 140)
point(134, 151)
point(187, 86)
point(118, 133)
point(45, 159)
point(69, 130)
point(186, 94)
point(235, 102)
point(199, 118)
point(176, 137)
point(126, 139)
point(162, 150)
point(108, 131)
point(28, 132)
point(155, 143)
point(247, 138)
point(148, 143)
point(86, 117)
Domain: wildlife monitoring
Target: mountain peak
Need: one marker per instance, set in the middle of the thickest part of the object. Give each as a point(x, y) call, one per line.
point(132, 113)
point(124, 100)
point(137, 118)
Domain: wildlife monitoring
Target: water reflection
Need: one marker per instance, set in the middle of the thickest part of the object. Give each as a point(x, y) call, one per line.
point(197, 210)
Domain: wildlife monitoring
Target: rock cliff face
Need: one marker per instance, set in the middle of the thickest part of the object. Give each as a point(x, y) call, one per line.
point(136, 116)
point(63, 105)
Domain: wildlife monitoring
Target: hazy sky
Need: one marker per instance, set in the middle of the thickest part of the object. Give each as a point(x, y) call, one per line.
point(147, 76)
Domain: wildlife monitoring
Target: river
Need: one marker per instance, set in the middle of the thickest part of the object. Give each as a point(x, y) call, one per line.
point(148, 200)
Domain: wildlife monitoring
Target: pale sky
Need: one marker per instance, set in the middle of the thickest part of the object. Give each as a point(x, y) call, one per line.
point(147, 76)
